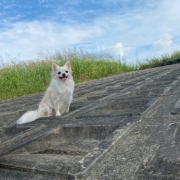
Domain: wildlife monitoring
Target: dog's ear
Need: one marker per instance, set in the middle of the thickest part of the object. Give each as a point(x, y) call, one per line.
point(54, 66)
point(68, 65)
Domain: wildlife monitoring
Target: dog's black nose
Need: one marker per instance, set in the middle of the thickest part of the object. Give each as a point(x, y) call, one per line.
point(64, 74)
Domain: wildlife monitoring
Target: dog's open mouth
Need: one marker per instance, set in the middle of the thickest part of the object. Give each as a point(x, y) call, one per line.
point(63, 78)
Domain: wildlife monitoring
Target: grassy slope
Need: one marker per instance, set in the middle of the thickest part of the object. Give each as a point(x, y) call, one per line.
point(28, 78)
point(33, 77)
point(166, 59)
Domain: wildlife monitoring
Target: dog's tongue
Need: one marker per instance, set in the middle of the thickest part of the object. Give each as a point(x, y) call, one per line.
point(64, 79)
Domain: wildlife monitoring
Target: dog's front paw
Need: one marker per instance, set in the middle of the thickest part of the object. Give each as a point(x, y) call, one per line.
point(58, 114)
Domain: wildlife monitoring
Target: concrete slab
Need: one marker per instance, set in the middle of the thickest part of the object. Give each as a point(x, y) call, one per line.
point(120, 127)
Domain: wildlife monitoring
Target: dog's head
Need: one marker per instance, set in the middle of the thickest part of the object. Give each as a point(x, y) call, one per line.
point(62, 73)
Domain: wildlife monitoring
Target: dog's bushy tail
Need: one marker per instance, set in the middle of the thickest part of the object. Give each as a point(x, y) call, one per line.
point(28, 117)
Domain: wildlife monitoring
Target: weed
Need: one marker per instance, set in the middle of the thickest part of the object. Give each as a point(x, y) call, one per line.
point(32, 77)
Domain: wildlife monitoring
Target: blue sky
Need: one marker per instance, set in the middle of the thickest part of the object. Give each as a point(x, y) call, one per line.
point(132, 29)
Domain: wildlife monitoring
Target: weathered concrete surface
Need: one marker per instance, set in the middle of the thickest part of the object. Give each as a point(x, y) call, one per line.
point(121, 127)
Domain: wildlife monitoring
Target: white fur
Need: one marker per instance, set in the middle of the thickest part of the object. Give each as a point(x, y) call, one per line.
point(57, 98)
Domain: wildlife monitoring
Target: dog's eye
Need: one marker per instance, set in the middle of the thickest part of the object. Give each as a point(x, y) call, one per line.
point(59, 72)
point(66, 71)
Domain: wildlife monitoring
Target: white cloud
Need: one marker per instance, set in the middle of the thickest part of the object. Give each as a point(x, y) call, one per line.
point(119, 50)
point(164, 42)
point(141, 27)
point(121, 32)
point(27, 39)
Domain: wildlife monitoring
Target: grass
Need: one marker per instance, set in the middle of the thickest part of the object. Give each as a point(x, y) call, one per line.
point(32, 77)
point(164, 60)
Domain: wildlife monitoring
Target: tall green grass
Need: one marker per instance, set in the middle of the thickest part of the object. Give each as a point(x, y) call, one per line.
point(32, 77)
point(164, 60)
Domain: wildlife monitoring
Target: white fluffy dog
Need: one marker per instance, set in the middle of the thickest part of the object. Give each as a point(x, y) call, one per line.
point(57, 98)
